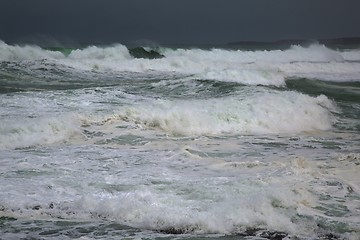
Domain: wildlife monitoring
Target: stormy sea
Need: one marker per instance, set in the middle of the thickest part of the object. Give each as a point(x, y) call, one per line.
point(241, 141)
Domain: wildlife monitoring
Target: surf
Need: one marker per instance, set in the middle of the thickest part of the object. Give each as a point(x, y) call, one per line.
point(99, 141)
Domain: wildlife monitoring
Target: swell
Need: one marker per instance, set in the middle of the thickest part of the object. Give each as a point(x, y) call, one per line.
point(333, 43)
point(339, 91)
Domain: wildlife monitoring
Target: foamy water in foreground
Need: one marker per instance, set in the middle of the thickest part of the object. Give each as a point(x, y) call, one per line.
point(222, 144)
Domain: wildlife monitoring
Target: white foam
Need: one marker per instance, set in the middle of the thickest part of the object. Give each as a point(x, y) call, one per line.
point(37, 131)
point(200, 204)
point(115, 53)
point(18, 53)
point(246, 76)
point(175, 192)
point(331, 71)
point(351, 55)
point(285, 112)
point(313, 53)
point(152, 210)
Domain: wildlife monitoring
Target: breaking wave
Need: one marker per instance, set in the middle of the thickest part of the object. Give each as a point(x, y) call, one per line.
point(262, 113)
point(261, 67)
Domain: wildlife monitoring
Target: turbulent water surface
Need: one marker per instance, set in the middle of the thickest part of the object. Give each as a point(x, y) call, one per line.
point(195, 144)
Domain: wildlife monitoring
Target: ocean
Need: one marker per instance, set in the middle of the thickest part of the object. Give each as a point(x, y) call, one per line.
point(154, 142)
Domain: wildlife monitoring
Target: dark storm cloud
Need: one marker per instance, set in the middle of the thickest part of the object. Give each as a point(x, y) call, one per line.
point(177, 21)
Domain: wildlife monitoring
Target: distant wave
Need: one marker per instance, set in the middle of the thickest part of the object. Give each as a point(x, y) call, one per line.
point(334, 43)
point(253, 67)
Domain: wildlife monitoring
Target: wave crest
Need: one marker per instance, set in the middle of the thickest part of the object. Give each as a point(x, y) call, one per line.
point(261, 113)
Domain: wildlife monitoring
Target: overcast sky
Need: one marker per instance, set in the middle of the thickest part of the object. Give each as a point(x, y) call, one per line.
point(177, 21)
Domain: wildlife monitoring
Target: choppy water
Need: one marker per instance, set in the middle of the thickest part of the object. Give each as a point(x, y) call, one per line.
point(200, 144)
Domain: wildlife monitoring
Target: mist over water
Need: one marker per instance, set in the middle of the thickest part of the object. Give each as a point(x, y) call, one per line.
point(97, 143)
